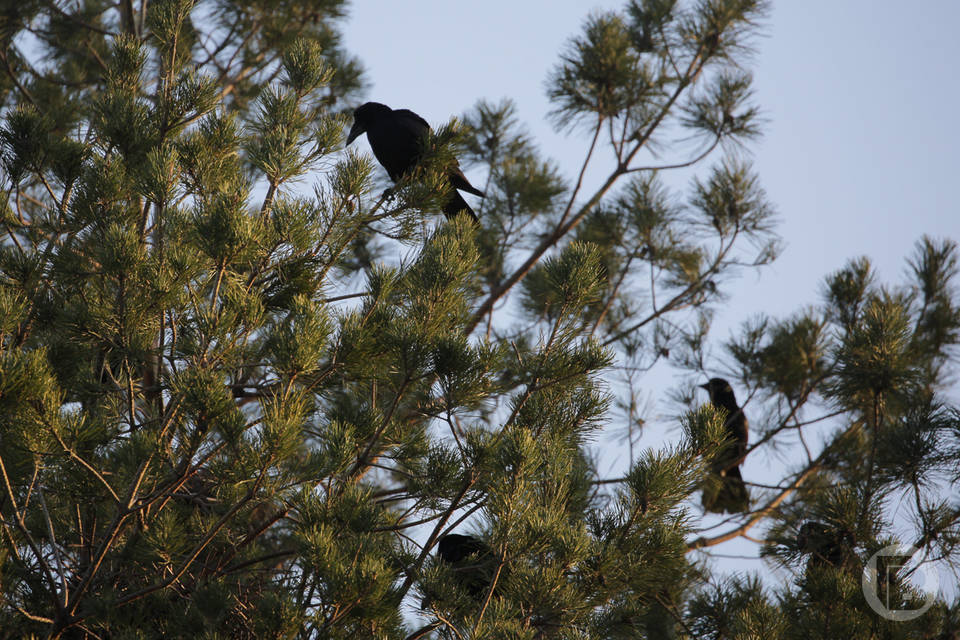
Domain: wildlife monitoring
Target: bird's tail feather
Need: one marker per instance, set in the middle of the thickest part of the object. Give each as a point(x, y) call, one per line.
point(729, 495)
point(456, 205)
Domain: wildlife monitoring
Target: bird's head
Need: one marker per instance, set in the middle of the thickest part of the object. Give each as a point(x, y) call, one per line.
point(829, 541)
point(717, 388)
point(365, 115)
point(454, 547)
point(811, 535)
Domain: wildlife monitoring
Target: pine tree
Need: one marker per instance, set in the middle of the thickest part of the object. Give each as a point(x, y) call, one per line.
point(227, 409)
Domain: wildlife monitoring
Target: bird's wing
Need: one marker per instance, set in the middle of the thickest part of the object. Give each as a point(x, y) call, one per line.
point(737, 425)
point(411, 122)
point(395, 140)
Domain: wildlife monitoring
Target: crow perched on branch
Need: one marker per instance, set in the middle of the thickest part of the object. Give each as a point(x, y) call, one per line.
point(471, 560)
point(828, 546)
point(454, 547)
point(727, 492)
point(396, 137)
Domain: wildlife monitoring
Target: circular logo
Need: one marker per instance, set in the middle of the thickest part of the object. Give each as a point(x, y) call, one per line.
point(878, 584)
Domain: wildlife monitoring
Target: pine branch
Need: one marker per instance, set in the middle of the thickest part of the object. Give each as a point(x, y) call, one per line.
point(565, 226)
point(760, 515)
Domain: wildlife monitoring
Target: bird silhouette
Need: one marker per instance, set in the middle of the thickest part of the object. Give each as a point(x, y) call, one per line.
point(828, 545)
point(727, 491)
point(472, 562)
point(397, 137)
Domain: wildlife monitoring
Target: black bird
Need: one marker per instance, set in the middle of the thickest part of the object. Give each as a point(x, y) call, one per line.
point(471, 560)
point(828, 546)
point(454, 547)
point(727, 492)
point(396, 137)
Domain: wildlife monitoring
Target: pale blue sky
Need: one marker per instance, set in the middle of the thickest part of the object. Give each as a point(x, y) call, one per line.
point(859, 153)
point(860, 149)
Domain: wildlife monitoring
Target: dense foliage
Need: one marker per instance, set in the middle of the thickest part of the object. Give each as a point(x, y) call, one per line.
point(243, 393)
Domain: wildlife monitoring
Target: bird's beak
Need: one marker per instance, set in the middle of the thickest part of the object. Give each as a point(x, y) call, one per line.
point(705, 387)
point(355, 132)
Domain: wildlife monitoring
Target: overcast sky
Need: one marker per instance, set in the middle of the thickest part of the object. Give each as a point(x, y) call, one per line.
point(860, 150)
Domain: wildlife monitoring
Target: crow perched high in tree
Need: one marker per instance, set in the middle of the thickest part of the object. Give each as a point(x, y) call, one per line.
point(471, 560)
point(396, 137)
point(828, 546)
point(727, 492)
